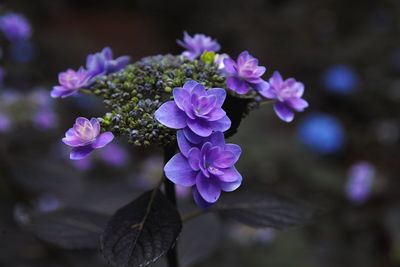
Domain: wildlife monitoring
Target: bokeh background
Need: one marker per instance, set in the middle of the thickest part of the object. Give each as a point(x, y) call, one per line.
point(342, 153)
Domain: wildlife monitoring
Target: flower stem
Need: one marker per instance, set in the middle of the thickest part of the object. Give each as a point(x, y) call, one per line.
point(172, 254)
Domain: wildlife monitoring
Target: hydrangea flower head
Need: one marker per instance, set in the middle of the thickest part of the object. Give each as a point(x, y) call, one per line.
point(15, 27)
point(102, 63)
point(208, 168)
point(196, 108)
point(198, 44)
point(287, 94)
point(70, 83)
point(85, 136)
point(244, 74)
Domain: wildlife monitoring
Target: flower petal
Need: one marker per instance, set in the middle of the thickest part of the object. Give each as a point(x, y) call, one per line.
point(103, 139)
point(238, 85)
point(179, 171)
point(230, 186)
point(200, 127)
point(208, 188)
point(199, 200)
point(225, 159)
point(171, 116)
point(194, 158)
point(230, 175)
point(221, 125)
point(297, 104)
point(181, 98)
point(230, 66)
point(80, 152)
point(219, 93)
point(235, 149)
point(283, 112)
point(192, 137)
point(183, 143)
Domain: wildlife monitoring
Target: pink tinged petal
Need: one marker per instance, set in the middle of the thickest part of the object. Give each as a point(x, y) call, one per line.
point(230, 66)
point(183, 144)
point(238, 85)
point(221, 125)
point(80, 152)
point(194, 158)
point(299, 89)
point(230, 186)
point(103, 139)
point(200, 127)
point(219, 93)
point(181, 98)
point(235, 149)
point(276, 80)
point(259, 71)
point(179, 171)
point(73, 141)
point(243, 57)
point(230, 175)
point(171, 116)
point(206, 104)
point(297, 104)
point(208, 188)
point(96, 126)
point(199, 200)
point(283, 112)
point(224, 160)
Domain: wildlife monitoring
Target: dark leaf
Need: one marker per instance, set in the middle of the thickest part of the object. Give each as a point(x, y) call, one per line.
point(69, 228)
point(142, 231)
point(265, 210)
point(236, 108)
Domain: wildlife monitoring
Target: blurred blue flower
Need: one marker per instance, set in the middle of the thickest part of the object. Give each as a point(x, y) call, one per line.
point(360, 181)
point(15, 27)
point(341, 79)
point(23, 51)
point(45, 119)
point(322, 133)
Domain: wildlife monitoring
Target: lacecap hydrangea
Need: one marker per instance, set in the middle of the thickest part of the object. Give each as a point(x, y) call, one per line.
point(189, 102)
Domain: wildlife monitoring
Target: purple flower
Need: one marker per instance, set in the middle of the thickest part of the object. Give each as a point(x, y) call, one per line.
point(45, 118)
point(102, 63)
point(219, 61)
point(360, 181)
point(197, 108)
point(5, 123)
point(208, 168)
point(287, 94)
point(15, 27)
point(245, 74)
point(198, 44)
point(70, 83)
point(85, 136)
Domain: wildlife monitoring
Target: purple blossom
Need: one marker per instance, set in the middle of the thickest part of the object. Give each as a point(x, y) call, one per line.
point(5, 123)
point(15, 27)
point(245, 74)
point(360, 181)
point(198, 44)
point(196, 108)
point(102, 63)
point(209, 169)
point(45, 119)
point(85, 136)
point(287, 94)
point(219, 60)
point(70, 83)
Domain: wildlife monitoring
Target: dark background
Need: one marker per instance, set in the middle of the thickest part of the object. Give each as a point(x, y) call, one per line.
point(301, 39)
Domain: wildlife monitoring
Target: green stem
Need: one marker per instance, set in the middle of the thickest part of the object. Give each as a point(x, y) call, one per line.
point(172, 254)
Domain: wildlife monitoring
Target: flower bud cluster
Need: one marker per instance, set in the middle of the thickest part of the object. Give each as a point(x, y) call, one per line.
point(135, 93)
